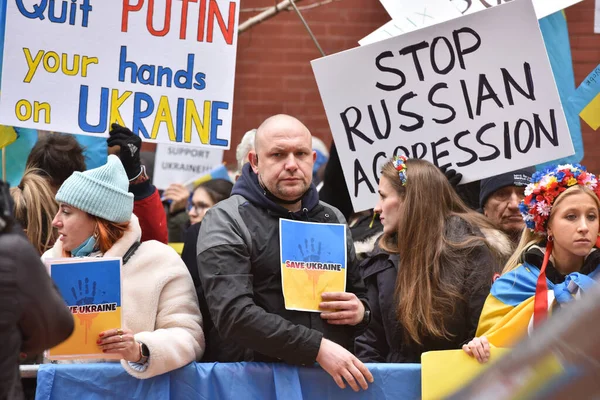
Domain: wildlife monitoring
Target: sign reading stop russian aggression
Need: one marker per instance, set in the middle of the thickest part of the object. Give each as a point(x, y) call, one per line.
point(163, 68)
point(469, 94)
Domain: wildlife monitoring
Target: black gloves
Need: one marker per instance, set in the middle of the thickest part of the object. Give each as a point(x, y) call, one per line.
point(452, 176)
point(129, 152)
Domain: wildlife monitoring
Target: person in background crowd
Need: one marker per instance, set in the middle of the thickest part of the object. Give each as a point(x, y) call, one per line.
point(58, 156)
point(499, 198)
point(240, 269)
point(34, 209)
point(206, 195)
point(243, 149)
point(147, 205)
point(437, 259)
point(162, 324)
point(320, 162)
point(557, 251)
point(33, 314)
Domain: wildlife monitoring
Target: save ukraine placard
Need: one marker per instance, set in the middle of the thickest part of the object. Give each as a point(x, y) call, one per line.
point(91, 288)
point(313, 261)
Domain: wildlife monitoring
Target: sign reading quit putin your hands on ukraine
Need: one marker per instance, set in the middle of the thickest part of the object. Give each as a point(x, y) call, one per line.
point(163, 68)
point(475, 93)
point(313, 261)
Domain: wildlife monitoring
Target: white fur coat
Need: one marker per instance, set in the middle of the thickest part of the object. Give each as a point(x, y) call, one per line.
point(159, 303)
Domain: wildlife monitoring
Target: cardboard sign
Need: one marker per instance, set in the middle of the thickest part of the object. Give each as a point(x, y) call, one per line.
point(165, 69)
point(313, 261)
point(467, 93)
point(543, 8)
point(91, 288)
point(179, 164)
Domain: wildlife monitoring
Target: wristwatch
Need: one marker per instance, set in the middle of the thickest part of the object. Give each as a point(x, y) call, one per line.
point(366, 316)
point(145, 352)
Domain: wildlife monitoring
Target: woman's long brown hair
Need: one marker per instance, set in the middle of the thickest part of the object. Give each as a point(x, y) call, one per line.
point(432, 265)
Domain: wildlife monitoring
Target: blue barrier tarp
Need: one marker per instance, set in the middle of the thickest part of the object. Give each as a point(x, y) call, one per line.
point(222, 381)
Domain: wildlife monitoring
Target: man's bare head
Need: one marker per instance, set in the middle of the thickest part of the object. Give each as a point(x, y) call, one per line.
point(283, 157)
point(277, 125)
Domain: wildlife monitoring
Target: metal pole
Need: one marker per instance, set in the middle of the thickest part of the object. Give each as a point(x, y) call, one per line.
point(263, 16)
point(307, 28)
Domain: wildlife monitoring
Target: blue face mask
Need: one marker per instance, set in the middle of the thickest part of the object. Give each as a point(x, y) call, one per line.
point(85, 248)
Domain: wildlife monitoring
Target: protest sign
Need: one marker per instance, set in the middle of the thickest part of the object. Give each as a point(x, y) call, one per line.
point(597, 17)
point(468, 94)
point(313, 261)
point(408, 15)
point(180, 164)
point(165, 69)
point(91, 288)
point(543, 8)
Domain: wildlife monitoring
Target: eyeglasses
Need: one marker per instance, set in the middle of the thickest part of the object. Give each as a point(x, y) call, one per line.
point(198, 208)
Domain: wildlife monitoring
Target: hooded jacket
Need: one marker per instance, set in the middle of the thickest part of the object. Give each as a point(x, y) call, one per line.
point(384, 338)
point(240, 271)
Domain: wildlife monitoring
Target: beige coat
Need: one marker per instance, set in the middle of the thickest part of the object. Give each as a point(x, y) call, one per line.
point(159, 303)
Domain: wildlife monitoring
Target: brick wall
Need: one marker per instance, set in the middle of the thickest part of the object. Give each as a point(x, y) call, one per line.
point(273, 64)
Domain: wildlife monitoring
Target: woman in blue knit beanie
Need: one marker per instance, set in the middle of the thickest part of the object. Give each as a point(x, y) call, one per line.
point(162, 324)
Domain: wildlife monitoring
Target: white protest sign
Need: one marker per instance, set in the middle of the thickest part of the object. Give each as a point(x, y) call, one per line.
point(543, 8)
point(408, 15)
point(413, 15)
point(467, 93)
point(180, 164)
point(597, 17)
point(163, 68)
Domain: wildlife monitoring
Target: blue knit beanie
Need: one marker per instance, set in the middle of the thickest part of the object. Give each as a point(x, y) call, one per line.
point(102, 192)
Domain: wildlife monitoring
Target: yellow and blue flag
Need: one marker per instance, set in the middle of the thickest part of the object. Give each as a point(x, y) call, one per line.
point(586, 100)
point(556, 39)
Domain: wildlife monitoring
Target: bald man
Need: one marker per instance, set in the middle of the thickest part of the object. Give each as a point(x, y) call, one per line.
point(240, 268)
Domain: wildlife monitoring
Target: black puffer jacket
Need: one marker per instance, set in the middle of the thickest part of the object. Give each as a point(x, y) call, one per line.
point(240, 271)
point(383, 340)
point(33, 315)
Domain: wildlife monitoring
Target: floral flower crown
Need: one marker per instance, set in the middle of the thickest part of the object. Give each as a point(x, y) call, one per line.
point(400, 165)
point(546, 186)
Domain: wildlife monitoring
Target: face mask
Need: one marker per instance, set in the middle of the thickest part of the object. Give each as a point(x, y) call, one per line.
point(85, 248)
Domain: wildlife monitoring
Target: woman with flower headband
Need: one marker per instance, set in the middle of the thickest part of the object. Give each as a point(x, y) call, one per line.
point(555, 260)
point(433, 270)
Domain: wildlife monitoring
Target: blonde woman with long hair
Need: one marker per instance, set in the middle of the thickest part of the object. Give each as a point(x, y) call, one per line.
point(555, 261)
point(436, 260)
point(35, 208)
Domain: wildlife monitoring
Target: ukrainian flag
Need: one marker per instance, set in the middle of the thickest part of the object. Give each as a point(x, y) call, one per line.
point(509, 307)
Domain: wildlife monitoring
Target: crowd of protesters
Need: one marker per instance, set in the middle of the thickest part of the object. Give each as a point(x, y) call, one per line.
point(426, 268)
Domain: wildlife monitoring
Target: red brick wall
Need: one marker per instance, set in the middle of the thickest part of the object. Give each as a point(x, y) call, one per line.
point(273, 63)
point(585, 49)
